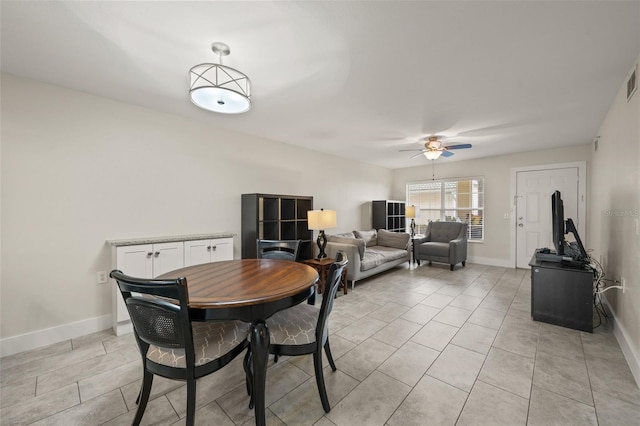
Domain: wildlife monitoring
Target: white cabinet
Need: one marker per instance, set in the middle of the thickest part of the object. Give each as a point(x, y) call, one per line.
point(167, 257)
point(143, 261)
point(149, 258)
point(205, 251)
point(135, 260)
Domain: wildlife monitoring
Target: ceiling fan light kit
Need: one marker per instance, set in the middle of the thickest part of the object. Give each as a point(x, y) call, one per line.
point(433, 155)
point(218, 88)
point(434, 148)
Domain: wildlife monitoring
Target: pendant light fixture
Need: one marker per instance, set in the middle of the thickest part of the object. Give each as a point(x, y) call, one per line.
point(218, 88)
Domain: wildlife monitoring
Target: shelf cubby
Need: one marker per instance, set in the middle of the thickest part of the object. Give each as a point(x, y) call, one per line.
point(389, 215)
point(287, 209)
point(275, 217)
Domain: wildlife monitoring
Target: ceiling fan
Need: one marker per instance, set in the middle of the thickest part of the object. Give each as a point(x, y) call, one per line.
point(434, 148)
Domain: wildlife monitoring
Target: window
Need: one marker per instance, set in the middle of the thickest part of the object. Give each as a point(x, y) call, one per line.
point(458, 200)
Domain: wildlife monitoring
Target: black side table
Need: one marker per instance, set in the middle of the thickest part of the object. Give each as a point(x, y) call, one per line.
point(413, 247)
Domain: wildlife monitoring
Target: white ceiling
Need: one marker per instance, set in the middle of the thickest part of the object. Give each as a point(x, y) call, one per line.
point(359, 80)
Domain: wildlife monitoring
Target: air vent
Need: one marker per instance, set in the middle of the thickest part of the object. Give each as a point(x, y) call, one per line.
point(632, 84)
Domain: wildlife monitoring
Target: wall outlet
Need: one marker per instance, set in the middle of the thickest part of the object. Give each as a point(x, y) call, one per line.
point(102, 277)
point(506, 216)
point(622, 283)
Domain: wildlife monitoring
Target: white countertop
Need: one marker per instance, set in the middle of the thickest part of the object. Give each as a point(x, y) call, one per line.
point(153, 240)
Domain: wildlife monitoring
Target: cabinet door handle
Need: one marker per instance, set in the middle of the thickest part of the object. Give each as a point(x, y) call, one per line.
point(157, 253)
point(209, 248)
point(150, 254)
point(213, 247)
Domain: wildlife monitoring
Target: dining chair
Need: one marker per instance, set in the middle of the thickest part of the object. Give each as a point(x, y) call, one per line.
point(171, 344)
point(303, 329)
point(278, 249)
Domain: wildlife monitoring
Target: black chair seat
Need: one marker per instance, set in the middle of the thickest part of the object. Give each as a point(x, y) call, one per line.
point(211, 341)
point(294, 326)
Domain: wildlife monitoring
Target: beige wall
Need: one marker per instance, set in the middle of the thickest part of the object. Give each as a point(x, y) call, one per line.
point(615, 211)
point(497, 198)
point(79, 169)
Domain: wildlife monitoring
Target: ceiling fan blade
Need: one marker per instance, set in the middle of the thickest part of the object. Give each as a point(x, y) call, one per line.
point(405, 150)
point(416, 156)
point(459, 146)
point(447, 154)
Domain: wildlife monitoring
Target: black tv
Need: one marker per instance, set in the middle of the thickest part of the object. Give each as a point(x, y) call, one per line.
point(572, 251)
point(557, 222)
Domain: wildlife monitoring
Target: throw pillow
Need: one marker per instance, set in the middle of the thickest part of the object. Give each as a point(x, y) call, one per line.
point(370, 237)
point(398, 240)
point(346, 240)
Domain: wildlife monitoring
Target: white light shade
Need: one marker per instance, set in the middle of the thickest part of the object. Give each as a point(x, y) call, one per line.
point(410, 212)
point(321, 219)
point(219, 88)
point(433, 155)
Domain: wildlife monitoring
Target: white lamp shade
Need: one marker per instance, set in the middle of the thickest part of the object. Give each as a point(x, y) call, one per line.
point(219, 88)
point(433, 155)
point(410, 212)
point(221, 100)
point(321, 219)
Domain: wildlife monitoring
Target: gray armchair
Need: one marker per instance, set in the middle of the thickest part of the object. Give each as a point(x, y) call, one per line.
point(444, 242)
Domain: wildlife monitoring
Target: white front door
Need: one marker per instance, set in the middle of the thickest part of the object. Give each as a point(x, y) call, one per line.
point(533, 207)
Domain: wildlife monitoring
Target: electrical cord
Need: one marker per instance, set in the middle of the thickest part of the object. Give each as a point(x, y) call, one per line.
point(600, 280)
point(598, 289)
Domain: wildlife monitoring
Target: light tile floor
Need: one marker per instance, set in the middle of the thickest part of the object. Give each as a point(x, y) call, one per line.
point(414, 346)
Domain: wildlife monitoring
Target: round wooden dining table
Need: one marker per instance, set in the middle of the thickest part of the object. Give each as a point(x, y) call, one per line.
point(250, 290)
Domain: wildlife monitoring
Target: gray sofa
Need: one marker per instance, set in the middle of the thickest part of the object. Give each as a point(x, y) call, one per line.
point(370, 252)
point(444, 242)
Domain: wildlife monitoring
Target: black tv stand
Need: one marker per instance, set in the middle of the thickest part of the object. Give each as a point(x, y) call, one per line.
point(562, 293)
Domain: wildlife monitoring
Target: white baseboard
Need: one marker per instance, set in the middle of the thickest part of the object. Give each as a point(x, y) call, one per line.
point(622, 336)
point(24, 342)
point(490, 261)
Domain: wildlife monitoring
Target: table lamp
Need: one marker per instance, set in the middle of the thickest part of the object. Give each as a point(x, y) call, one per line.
point(319, 220)
point(410, 213)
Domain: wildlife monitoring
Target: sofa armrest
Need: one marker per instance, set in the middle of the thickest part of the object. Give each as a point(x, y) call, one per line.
point(418, 241)
point(351, 250)
point(457, 242)
point(457, 250)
